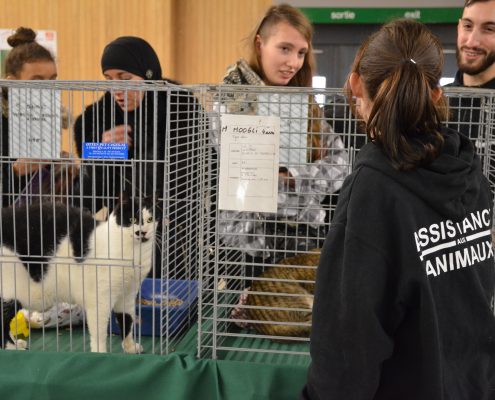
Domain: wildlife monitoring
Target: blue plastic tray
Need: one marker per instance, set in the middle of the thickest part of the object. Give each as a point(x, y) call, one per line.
point(180, 296)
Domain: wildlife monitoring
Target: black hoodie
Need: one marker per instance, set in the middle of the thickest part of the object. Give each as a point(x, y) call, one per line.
point(404, 291)
point(470, 115)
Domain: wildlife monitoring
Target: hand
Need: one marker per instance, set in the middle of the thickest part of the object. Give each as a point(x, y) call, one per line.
point(25, 166)
point(119, 134)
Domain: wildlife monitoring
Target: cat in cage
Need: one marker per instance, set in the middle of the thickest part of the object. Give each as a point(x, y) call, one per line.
point(283, 293)
point(51, 253)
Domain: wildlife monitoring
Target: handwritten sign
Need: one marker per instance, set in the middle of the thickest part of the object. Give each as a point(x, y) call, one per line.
point(35, 123)
point(249, 158)
point(293, 130)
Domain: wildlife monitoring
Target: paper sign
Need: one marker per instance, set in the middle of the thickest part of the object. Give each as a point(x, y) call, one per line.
point(35, 123)
point(249, 155)
point(117, 151)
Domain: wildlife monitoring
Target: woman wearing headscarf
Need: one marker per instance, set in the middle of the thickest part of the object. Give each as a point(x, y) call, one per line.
point(159, 124)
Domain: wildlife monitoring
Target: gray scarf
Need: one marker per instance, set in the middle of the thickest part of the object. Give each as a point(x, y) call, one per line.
point(238, 101)
point(241, 73)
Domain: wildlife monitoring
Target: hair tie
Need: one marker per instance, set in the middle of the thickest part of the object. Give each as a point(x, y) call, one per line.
point(408, 61)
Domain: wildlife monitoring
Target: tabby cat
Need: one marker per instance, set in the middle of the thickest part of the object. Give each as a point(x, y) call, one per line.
point(52, 253)
point(297, 281)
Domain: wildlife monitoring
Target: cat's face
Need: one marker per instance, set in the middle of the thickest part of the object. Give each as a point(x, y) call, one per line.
point(139, 216)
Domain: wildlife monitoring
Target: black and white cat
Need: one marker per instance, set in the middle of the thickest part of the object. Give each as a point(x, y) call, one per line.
point(51, 253)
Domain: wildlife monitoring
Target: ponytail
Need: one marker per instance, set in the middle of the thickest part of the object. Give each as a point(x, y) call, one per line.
point(401, 66)
point(404, 121)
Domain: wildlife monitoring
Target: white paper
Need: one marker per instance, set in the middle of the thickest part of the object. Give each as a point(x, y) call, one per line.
point(249, 163)
point(35, 123)
point(293, 111)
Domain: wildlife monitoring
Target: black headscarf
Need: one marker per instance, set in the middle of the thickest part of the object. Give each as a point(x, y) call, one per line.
point(134, 55)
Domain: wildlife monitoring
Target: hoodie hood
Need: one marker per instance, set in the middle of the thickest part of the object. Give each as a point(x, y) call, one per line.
point(450, 184)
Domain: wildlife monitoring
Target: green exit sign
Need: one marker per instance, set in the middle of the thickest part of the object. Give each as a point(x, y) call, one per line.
point(381, 15)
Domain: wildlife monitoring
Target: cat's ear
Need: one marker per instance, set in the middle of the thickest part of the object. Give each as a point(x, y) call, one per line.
point(122, 200)
point(124, 197)
point(159, 204)
point(148, 199)
point(159, 196)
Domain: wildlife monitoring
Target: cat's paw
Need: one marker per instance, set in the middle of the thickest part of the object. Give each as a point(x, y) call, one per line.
point(19, 345)
point(131, 347)
point(22, 344)
point(38, 320)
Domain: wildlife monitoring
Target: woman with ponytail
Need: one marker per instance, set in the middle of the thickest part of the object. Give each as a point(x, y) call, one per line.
point(403, 306)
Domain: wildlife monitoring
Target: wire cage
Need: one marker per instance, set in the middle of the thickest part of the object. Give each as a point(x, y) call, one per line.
point(472, 112)
point(232, 280)
point(258, 268)
point(74, 154)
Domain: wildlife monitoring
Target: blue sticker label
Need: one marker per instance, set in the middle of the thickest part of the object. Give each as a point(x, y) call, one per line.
point(118, 151)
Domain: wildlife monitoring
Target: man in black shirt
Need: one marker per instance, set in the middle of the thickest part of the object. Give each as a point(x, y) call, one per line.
point(474, 115)
point(476, 45)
